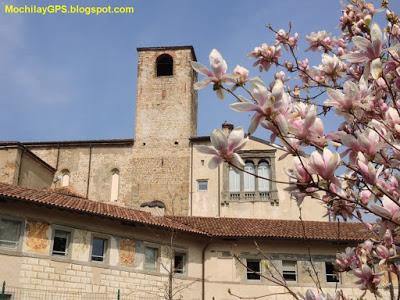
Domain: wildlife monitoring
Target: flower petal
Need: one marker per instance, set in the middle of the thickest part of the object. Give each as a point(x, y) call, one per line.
point(244, 106)
point(376, 68)
point(199, 68)
point(214, 162)
point(207, 149)
point(237, 160)
point(376, 38)
point(361, 42)
point(235, 138)
point(202, 84)
point(255, 120)
point(219, 140)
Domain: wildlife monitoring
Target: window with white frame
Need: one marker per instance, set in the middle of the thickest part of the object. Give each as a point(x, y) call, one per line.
point(10, 232)
point(264, 170)
point(234, 180)
point(289, 270)
point(248, 178)
point(202, 185)
point(61, 242)
point(99, 247)
point(65, 176)
point(253, 269)
point(114, 184)
point(179, 262)
point(330, 273)
point(150, 258)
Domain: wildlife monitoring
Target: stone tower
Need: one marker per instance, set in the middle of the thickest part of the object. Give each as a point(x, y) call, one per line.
point(166, 117)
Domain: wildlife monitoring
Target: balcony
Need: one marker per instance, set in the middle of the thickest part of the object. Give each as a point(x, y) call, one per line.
point(256, 196)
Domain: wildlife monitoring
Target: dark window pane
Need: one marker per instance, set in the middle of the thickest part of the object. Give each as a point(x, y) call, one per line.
point(98, 247)
point(60, 244)
point(289, 270)
point(150, 258)
point(9, 233)
point(165, 65)
point(202, 185)
point(253, 269)
point(179, 263)
point(289, 276)
point(330, 272)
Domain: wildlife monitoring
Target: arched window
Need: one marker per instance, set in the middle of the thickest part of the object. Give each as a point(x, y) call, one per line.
point(165, 65)
point(65, 178)
point(114, 184)
point(264, 170)
point(249, 180)
point(234, 180)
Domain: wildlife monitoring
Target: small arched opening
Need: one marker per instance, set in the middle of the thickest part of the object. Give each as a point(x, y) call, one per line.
point(165, 65)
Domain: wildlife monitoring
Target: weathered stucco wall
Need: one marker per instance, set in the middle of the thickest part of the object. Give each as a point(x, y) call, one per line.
point(33, 266)
point(9, 165)
point(34, 174)
point(205, 203)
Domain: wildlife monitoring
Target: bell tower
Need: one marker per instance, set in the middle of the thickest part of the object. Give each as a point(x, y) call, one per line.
point(166, 117)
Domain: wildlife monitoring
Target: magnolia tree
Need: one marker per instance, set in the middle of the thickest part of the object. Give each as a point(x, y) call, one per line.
point(353, 169)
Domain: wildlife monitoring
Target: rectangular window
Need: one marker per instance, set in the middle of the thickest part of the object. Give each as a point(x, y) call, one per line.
point(289, 270)
point(99, 247)
point(61, 242)
point(330, 273)
point(10, 232)
point(150, 258)
point(202, 185)
point(179, 262)
point(253, 269)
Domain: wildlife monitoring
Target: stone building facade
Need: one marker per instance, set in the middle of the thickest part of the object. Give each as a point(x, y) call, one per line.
point(90, 219)
point(162, 162)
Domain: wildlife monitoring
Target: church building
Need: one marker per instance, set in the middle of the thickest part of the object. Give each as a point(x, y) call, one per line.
point(145, 218)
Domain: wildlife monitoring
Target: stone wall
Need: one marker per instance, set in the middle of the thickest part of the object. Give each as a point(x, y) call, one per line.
point(93, 166)
point(58, 276)
point(166, 118)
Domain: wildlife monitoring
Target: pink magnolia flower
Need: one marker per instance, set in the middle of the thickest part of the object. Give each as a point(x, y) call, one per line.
point(217, 75)
point(307, 126)
point(382, 253)
point(393, 119)
point(367, 279)
point(283, 38)
point(266, 56)
point(240, 75)
point(319, 41)
point(325, 165)
point(389, 209)
point(347, 260)
point(365, 196)
point(351, 97)
point(388, 238)
point(332, 67)
point(367, 169)
point(223, 148)
point(367, 50)
point(267, 104)
point(368, 142)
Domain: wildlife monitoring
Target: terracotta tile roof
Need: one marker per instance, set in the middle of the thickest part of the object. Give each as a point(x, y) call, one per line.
point(204, 226)
point(81, 205)
point(286, 229)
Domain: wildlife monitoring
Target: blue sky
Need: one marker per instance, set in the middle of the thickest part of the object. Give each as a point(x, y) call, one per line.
point(69, 77)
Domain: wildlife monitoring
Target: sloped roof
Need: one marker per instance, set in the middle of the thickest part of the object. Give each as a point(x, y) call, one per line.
point(204, 226)
point(82, 205)
point(287, 229)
